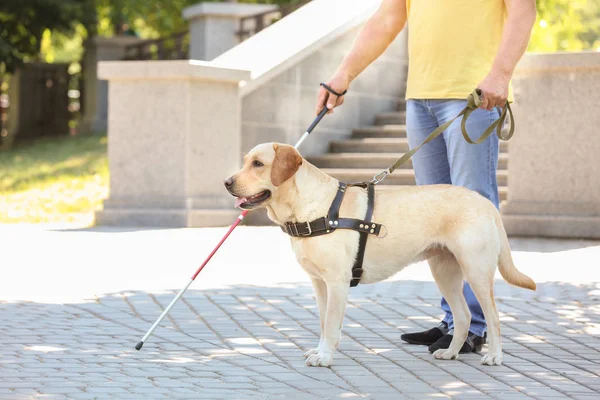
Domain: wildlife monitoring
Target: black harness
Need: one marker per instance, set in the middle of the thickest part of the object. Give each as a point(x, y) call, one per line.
point(331, 222)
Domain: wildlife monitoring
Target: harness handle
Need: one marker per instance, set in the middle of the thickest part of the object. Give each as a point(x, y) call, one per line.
point(473, 103)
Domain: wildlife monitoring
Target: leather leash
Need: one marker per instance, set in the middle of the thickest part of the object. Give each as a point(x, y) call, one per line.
point(473, 103)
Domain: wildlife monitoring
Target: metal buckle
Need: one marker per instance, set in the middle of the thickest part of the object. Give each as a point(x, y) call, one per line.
point(380, 176)
point(309, 229)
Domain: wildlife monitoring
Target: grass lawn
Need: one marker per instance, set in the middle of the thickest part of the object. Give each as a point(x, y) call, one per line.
point(58, 181)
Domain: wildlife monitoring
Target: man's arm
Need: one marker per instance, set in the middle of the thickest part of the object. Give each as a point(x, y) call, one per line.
point(515, 38)
point(377, 34)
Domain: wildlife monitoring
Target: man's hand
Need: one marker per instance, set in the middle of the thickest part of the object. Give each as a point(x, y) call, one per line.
point(339, 82)
point(494, 90)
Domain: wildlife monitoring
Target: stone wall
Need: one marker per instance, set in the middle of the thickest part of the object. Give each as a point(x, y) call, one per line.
point(554, 167)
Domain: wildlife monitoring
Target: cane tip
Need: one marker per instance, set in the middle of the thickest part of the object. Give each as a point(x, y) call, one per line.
point(139, 345)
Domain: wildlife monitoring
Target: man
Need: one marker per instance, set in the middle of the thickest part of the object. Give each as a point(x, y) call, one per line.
point(454, 47)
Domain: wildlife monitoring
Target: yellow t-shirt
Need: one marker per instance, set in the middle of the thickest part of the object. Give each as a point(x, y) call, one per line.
point(451, 46)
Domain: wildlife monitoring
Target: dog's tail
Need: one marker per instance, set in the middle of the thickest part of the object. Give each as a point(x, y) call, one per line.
point(507, 268)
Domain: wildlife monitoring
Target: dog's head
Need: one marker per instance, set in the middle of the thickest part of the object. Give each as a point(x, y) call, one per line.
point(266, 167)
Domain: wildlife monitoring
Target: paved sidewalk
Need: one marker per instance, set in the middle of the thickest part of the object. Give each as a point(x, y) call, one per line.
point(73, 304)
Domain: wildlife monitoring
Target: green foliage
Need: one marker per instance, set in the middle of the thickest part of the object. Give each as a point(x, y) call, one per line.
point(54, 180)
point(152, 18)
point(23, 23)
point(54, 30)
point(566, 25)
point(58, 47)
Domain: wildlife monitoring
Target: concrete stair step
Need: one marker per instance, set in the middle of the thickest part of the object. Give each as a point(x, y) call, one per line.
point(382, 131)
point(399, 177)
point(391, 118)
point(386, 131)
point(372, 160)
point(380, 145)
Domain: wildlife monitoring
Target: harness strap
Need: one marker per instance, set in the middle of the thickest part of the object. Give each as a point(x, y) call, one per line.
point(334, 209)
point(362, 242)
point(331, 222)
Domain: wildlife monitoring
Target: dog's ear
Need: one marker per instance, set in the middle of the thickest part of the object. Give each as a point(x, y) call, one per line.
point(286, 163)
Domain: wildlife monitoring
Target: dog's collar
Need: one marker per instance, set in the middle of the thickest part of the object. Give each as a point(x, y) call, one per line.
point(332, 221)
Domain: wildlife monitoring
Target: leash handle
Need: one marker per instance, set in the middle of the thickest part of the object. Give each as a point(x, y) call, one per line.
point(497, 125)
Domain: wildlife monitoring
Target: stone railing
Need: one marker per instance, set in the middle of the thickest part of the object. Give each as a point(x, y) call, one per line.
point(177, 129)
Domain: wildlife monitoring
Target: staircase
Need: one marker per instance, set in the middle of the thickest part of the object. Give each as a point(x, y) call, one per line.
point(374, 148)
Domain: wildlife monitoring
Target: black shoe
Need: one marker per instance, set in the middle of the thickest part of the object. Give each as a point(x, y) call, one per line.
point(426, 337)
point(473, 344)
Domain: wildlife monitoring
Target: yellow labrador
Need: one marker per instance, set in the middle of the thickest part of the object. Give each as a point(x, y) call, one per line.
point(458, 231)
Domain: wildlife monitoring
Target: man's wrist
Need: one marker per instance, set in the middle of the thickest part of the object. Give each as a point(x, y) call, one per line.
point(344, 73)
point(502, 71)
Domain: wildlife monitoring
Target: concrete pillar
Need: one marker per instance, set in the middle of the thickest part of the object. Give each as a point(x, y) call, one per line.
point(96, 91)
point(554, 169)
point(174, 136)
point(213, 26)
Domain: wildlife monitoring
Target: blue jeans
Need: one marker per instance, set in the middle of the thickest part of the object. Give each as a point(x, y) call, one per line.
point(449, 159)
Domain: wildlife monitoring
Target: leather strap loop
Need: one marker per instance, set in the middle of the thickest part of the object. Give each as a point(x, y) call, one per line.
point(330, 90)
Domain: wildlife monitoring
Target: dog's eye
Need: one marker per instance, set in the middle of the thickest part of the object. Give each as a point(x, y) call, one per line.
point(257, 163)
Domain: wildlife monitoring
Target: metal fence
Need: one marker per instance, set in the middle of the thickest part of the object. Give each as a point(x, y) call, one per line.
point(174, 47)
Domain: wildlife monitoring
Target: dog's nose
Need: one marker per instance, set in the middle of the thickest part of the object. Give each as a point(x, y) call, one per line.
point(228, 182)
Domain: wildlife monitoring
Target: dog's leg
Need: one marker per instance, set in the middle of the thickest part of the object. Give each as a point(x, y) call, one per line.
point(449, 279)
point(480, 275)
point(477, 254)
point(337, 296)
point(321, 294)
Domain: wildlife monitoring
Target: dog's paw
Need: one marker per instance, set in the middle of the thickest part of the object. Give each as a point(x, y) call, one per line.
point(311, 352)
point(320, 359)
point(445, 354)
point(492, 359)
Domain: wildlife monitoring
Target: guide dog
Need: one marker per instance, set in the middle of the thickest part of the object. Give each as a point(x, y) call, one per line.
point(458, 231)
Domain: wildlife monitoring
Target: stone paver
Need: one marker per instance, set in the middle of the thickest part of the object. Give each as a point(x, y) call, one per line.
point(228, 339)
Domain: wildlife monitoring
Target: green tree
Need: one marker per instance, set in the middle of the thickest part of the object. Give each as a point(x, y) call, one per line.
point(566, 25)
point(23, 23)
point(152, 18)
